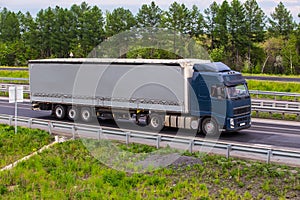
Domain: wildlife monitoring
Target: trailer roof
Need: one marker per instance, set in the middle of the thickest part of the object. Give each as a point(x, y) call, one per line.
point(120, 60)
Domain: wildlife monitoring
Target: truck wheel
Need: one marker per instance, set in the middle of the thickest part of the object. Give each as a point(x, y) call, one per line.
point(60, 111)
point(155, 122)
point(86, 115)
point(210, 127)
point(73, 113)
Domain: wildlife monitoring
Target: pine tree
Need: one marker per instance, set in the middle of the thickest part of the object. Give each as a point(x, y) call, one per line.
point(149, 16)
point(255, 23)
point(236, 28)
point(119, 20)
point(211, 22)
point(281, 22)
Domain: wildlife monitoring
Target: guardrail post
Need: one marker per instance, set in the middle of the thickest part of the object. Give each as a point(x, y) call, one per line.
point(29, 123)
point(100, 134)
point(127, 137)
point(10, 120)
point(50, 127)
point(269, 154)
point(191, 146)
point(158, 140)
point(229, 148)
point(73, 132)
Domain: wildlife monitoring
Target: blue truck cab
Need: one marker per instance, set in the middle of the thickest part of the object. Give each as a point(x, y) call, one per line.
point(221, 98)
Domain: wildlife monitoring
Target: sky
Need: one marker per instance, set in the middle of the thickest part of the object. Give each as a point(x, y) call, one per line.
point(33, 6)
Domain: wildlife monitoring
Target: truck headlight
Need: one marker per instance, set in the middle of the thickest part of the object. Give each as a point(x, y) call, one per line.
point(231, 123)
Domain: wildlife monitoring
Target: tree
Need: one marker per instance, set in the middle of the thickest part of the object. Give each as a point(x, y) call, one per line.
point(290, 55)
point(9, 26)
point(281, 22)
point(196, 22)
point(211, 14)
point(149, 16)
point(177, 19)
point(61, 36)
point(119, 20)
point(222, 27)
point(91, 29)
point(254, 23)
point(272, 48)
point(236, 28)
point(44, 20)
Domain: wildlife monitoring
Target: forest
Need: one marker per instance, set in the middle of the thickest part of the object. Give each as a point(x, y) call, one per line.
point(238, 34)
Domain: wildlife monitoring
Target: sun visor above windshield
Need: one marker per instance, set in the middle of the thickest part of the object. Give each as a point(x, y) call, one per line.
point(211, 67)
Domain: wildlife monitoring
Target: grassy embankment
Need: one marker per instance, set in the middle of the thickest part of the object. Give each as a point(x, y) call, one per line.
point(68, 171)
point(15, 146)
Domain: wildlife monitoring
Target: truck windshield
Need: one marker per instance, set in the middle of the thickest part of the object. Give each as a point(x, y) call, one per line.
point(237, 91)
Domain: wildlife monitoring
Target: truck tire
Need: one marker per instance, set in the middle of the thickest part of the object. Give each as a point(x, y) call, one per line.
point(60, 111)
point(155, 122)
point(73, 113)
point(86, 114)
point(210, 127)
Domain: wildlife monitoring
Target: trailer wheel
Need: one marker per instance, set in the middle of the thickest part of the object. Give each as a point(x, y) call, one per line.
point(86, 114)
point(155, 122)
point(60, 111)
point(73, 113)
point(210, 127)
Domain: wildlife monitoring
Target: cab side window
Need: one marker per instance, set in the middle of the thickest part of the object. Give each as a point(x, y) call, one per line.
point(217, 92)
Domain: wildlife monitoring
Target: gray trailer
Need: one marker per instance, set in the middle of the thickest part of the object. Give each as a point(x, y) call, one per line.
point(82, 89)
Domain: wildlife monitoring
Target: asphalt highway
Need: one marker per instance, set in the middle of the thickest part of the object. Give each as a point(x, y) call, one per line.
point(264, 133)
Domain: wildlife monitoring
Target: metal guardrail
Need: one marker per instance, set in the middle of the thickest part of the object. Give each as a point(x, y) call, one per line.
point(99, 133)
point(5, 88)
point(275, 94)
point(283, 107)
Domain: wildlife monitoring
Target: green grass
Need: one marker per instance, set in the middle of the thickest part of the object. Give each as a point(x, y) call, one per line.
point(15, 146)
point(13, 67)
point(14, 74)
point(278, 116)
point(68, 171)
point(274, 86)
point(290, 87)
point(273, 75)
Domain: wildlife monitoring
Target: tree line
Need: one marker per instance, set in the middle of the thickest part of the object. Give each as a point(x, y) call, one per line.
point(238, 34)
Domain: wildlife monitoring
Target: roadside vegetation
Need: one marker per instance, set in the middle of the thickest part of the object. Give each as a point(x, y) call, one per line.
point(68, 171)
point(15, 146)
point(14, 73)
point(275, 86)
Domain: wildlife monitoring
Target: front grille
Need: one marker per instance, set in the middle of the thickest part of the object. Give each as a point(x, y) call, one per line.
point(242, 111)
point(243, 119)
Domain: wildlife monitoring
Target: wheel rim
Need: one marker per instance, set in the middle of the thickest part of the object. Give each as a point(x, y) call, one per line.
point(155, 122)
point(86, 115)
point(72, 113)
point(59, 112)
point(209, 127)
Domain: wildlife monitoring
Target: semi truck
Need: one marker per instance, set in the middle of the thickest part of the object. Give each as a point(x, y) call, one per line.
point(182, 93)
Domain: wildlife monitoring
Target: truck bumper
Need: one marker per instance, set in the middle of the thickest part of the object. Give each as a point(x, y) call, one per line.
point(238, 123)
